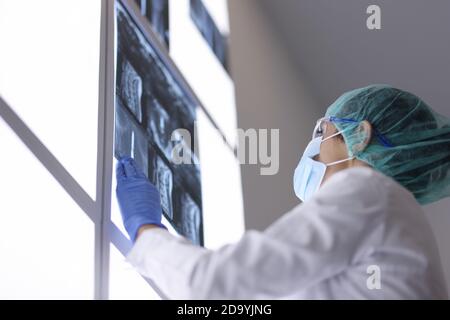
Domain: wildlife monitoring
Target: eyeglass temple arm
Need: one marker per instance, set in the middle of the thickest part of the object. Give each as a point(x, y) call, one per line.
point(383, 140)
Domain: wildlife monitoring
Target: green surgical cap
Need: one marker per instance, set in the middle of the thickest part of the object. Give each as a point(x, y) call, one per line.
point(411, 142)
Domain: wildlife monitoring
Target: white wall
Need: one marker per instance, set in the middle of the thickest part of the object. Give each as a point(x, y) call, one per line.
point(270, 93)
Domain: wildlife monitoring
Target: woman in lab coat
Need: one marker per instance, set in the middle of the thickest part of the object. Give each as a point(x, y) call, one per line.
point(360, 233)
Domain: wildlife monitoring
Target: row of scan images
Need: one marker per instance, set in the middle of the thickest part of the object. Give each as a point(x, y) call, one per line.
point(157, 13)
point(150, 106)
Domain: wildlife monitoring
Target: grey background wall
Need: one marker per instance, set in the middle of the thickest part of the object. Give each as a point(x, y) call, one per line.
point(270, 93)
point(293, 58)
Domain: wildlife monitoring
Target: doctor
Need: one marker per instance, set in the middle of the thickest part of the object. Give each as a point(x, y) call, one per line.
point(360, 233)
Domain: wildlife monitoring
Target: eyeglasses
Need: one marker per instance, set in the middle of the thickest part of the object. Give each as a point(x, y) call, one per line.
point(321, 128)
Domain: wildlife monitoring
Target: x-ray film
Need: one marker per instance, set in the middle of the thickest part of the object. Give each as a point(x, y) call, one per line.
point(157, 13)
point(191, 214)
point(150, 107)
point(131, 89)
point(207, 27)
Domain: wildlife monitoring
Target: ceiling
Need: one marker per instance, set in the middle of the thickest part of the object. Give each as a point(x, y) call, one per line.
point(336, 52)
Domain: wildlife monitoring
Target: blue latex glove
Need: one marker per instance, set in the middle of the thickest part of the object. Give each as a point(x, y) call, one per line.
point(138, 199)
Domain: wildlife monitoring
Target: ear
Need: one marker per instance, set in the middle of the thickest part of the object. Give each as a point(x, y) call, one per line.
point(364, 134)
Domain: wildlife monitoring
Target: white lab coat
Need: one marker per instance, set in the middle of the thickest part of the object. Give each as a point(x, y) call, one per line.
point(321, 249)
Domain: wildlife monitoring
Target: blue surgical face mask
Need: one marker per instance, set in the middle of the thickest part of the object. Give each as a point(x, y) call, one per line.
point(309, 173)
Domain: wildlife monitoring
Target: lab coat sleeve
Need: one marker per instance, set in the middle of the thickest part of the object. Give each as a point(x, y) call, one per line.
point(314, 241)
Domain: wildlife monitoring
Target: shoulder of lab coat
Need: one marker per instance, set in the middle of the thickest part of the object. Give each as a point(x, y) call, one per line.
point(311, 243)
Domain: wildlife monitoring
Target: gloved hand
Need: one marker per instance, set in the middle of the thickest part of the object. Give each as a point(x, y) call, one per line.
point(138, 199)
